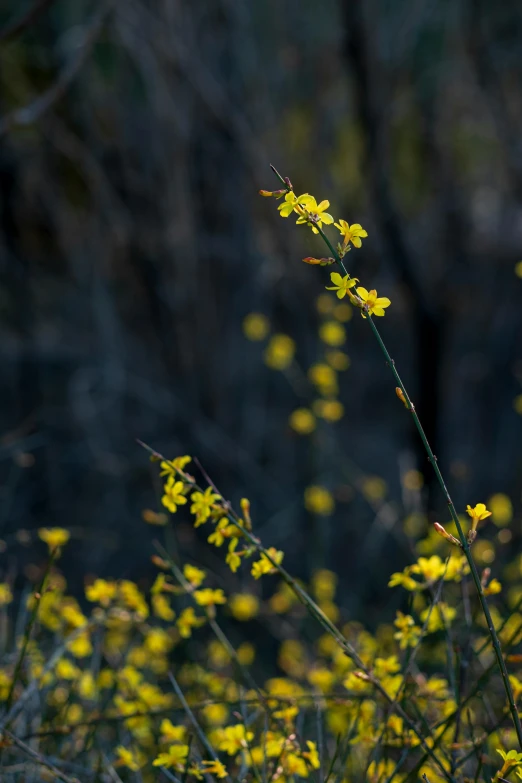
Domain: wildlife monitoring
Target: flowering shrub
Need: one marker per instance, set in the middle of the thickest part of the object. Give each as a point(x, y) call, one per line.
point(132, 684)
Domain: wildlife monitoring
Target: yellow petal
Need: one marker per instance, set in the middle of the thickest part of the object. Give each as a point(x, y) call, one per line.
point(363, 293)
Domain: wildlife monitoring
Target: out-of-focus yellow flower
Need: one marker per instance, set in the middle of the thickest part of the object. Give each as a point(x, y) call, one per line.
point(311, 755)
point(374, 304)
point(174, 758)
point(292, 658)
point(173, 494)
point(518, 269)
point(413, 480)
point(373, 488)
point(67, 670)
point(162, 608)
point(294, 765)
point(187, 621)
point(131, 758)
point(244, 606)
point(279, 352)
point(171, 467)
point(484, 552)
point(343, 312)
point(329, 410)
point(325, 304)
point(209, 597)
point(193, 575)
point(324, 378)
point(324, 584)
point(153, 517)
point(338, 360)
point(493, 588)
point(314, 214)
point(215, 767)
point(302, 421)
point(81, 646)
point(332, 333)
point(215, 714)
point(202, 504)
point(6, 595)
point(283, 599)
point(158, 641)
point(501, 509)
point(341, 284)
point(517, 404)
point(54, 537)
point(264, 565)
point(101, 591)
point(440, 617)
point(246, 653)
point(234, 739)
point(408, 633)
point(352, 233)
point(255, 326)
point(172, 733)
point(321, 678)
point(318, 500)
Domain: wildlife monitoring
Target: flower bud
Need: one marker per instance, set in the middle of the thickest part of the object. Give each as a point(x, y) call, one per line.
point(444, 533)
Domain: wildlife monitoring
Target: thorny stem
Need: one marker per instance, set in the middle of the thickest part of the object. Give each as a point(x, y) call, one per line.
point(433, 459)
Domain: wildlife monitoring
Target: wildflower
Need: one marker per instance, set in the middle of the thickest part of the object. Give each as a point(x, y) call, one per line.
point(158, 641)
point(202, 504)
point(352, 233)
point(324, 583)
point(294, 765)
point(403, 579)
point(324, 378)
point(173, 496)
point(223, 531)
point(279, 352)
point(81, 646)
point(264, 565)
point(54, 537)
point(329, 410)
point(332, 333)
point(209, 597)
point(255, 326)
point(233, 559)
point(162, 608)
point(175, 757)
point(313, 213)
point(101, 591)
point(477, 514)
point(171, 733)
point(193, 575)
point(187, 621)
point(172, 467)
point(291, 203)
point(431, 568)
point(318, 500)
point(244, 606)
point(302, 421)
point(246, 653)
point(374, 305)
point(6, 595)
point(408, 633)
point(132, 759)
point(341, 284)
point(215, 767)
point(234, 739)
point(493, 588)
point(440, 617)
point(511, 759)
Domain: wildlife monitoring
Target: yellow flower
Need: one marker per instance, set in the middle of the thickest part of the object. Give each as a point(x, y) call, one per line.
point(324, 583)
point(279, 352)
point(338, 360)
point(518, 269)
point(6, 595)
point(324, 377)
point(193, 575)
point(162, 608)
point(477, 514)
point(440, 617)
point(255, 326)
point(234, 739)
point(290, 203)
point(173, 496)
point(375, 304)
point(351, 233)
point(312, 755)
point(517, 404)
point(313, 213)
point(171, 733)
point(318, 500)
point(407, 634)
point(202, 504)
point(101, 591)
point(294, 765)
point(332, 333)
point(54, 537)
point(171, 467)
point(244, 606)
point(246, 653)
point(209, 597)
point(233, 559)
point(302, 420)
point(175, 757)
point(341, 284)
point(329, 410)
point(216, 768)
point(132, 759)
point(81, 646)
point(264, 566)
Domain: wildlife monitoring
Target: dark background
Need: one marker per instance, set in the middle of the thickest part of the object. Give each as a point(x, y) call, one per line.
point(133, 139)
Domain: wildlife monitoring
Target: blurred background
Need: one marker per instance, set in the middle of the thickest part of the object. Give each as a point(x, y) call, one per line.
point(134, 137)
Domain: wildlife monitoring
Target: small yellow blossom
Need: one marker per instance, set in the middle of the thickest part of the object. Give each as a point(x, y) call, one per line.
point(312, 213)
point(6, 595)
point(244, 606)
point(318, 500)
point(341, 284)
point(324, 583)
point(291, 203)
point(209, 597)
point(171, 733)
point(294, 765)
point(264, 566)
point(171, 467)
point(233, 558)
point(477, 514)
point(193, 575)
point(162, 608)
point(408, 633)
point(101, 591)
point(352, 233)
point(234, 739)
point(246, 653)
point(338, 360)
point(132, 759)
point(332, 333)
point(80, 646)
point(255, 326)
point(302, 420)
point(173, 496)
point(501, 509)
point(324, 378)
point(329, 410)
point(215, 767)
point(54, 537)
point(279, 352)
point(187, 621)
point(375, 305)
point(174, 758)
point(202, 504)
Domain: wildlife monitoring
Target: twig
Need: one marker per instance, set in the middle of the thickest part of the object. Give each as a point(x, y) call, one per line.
point(39, 758)
point(12, 29)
